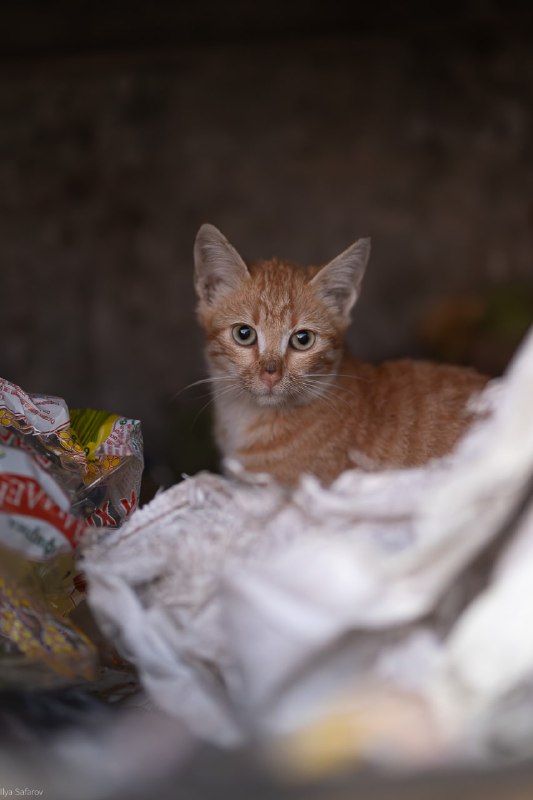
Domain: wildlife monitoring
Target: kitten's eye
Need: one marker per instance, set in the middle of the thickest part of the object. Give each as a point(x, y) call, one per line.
point(244, 334)
point(302, 340)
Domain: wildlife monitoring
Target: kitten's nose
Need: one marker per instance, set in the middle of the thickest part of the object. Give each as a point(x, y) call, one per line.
point(271, 373)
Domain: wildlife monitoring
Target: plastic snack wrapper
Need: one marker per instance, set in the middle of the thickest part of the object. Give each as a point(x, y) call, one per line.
point(64, 476)
point(385, 620)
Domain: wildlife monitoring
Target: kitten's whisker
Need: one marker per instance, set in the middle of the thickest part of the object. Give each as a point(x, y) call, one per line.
point(324, 398)
point(332, 386)
point(334, 375)
point(211, 380)
point(212, 399)
point(328, 391)
point(336, 393)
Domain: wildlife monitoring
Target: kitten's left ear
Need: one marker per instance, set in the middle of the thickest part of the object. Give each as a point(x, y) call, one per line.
point(339, 282)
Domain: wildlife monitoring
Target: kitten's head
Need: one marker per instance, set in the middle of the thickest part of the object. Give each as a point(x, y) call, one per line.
point(274, 330)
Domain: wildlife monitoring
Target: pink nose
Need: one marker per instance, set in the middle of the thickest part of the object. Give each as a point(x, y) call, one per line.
point(270, 378)
point(271, 374)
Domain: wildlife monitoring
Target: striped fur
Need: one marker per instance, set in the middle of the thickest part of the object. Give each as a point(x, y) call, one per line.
point(287, 412)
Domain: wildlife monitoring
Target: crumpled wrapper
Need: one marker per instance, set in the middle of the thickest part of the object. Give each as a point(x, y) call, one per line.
point(385, 619)
point(65, 475)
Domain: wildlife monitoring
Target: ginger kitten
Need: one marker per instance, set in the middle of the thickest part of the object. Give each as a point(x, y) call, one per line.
point(288, 398)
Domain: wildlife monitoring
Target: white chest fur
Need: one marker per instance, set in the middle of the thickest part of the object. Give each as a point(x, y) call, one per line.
point(235, 419)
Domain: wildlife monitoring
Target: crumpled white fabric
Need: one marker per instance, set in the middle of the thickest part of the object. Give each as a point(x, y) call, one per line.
point(245, 607)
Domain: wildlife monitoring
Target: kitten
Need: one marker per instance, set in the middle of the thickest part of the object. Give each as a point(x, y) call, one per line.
point(288, 398)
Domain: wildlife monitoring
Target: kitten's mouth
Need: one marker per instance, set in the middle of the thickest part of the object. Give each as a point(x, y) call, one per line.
point(269, 400)
point(281, 395)
point(269, 396)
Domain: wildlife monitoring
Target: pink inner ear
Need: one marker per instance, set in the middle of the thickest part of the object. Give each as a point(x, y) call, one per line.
point(218, 266)
point(340, 295)
point(338, 283)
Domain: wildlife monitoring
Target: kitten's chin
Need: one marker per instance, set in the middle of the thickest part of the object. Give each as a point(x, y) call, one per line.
point(270, 400)
point(281, 398)
point(288, 394)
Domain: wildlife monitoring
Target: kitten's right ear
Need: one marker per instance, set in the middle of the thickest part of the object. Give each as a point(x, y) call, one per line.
point(218, 268)
point(339, 282)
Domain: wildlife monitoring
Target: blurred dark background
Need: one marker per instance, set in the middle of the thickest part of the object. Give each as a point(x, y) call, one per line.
point(295, 128)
